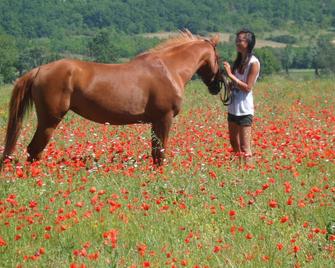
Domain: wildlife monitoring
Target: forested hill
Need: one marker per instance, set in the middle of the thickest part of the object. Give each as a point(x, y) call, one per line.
point(43, 18)
point(35, 32)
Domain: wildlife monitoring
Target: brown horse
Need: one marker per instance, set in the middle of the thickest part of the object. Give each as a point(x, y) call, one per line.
point(147, 89)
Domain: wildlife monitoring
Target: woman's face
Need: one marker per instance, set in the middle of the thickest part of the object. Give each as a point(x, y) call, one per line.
point(241, 43)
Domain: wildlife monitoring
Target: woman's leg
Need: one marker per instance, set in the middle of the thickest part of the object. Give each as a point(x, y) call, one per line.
point(234, 136)
point(245, 142)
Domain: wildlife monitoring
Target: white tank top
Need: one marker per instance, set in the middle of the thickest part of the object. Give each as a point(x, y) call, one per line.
point(242, 102)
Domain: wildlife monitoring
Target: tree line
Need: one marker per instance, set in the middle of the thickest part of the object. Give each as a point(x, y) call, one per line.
point(18, 55)
point(44, 18)
point(34, 32)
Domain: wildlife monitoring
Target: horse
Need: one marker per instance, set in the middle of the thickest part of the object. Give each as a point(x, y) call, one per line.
point(147, 89)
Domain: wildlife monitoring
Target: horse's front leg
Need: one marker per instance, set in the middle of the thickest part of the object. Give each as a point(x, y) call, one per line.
point(159, 137)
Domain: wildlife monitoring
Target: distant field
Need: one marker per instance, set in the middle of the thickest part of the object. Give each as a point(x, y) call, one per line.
point(304, 75)
point(224, 37)
point(299, 74)
point(303, 40)
point(267, 43)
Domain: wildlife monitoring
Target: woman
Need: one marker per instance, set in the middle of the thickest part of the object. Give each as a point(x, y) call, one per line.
point(244, 75)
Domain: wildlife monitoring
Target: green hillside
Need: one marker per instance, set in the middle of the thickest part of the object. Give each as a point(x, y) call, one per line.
point(40, 18)
point(290, 34)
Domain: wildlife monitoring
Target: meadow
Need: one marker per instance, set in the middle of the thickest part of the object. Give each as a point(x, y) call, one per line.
point(95, 200)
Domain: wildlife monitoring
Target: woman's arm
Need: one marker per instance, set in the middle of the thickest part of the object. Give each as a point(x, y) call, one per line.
point(251, 79)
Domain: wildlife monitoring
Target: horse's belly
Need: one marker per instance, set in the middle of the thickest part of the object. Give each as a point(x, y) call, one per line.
point(99, 115)
point(109, 107)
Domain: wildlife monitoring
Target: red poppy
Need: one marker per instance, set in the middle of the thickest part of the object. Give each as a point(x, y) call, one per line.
point(273, 204)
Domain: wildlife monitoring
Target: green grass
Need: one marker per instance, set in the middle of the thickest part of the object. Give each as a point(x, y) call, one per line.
point(96, 178)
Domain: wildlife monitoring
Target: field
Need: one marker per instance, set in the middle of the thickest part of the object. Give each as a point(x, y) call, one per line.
point(263, 40)
point(95, 200)
point(224, 37)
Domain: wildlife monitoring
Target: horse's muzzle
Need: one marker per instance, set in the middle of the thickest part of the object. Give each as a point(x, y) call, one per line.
point(214, 87)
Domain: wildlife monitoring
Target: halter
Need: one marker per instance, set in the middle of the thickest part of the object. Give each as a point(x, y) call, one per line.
point(225, 97)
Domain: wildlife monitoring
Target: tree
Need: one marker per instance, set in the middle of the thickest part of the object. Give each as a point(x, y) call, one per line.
point(34, 56)
point(37, 18)
point(288, 58)
point(101, 47)
point(8, 58)
point(269, 63)
point(323, 55)
point(227, 51)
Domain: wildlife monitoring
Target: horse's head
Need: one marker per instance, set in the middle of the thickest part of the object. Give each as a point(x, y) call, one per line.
point(210, 72)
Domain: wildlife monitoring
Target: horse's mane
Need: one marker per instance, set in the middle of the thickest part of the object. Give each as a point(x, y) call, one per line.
point(185, 36)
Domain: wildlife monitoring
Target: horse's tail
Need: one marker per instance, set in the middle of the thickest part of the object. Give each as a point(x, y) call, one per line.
point(20, 102)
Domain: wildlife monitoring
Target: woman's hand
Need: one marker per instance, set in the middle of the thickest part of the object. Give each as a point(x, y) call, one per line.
point(227, 67)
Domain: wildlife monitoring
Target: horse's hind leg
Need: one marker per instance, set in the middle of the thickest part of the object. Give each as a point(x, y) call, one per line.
point(45, 127)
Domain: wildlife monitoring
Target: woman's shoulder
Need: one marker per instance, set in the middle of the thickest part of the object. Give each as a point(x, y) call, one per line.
point(254, 59)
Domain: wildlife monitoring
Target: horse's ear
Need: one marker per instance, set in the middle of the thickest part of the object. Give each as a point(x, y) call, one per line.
point(215, 40)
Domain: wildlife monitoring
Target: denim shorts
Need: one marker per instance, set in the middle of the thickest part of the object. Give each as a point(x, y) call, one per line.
point(241, 120)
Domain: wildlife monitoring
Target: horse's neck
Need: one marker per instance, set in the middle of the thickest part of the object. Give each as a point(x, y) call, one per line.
point(186, 62)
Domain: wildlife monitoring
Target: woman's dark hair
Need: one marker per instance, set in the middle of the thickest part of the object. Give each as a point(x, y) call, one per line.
point(251, 39)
